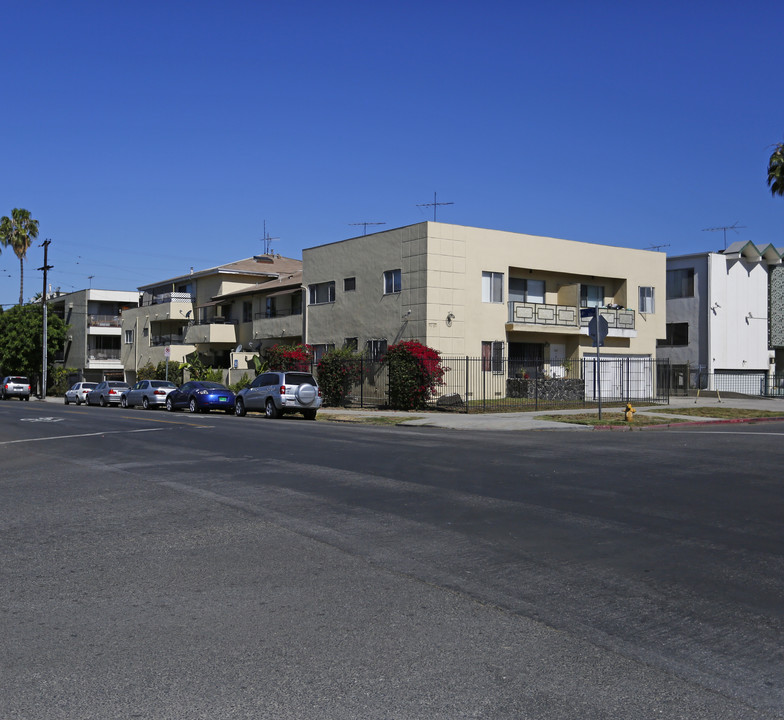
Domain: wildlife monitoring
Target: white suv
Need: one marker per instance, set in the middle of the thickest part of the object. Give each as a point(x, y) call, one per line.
point(281, 392)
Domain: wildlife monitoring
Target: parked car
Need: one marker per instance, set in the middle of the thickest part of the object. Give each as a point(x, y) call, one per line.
point(77, 393)
point(147, 393)
point(15, 386)
point(201, 396)
point(108, 392)
point(277, 393)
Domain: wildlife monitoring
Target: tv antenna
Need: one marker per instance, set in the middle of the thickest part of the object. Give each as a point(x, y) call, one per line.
point(90, 278)
point(734, 227)
point(434, 205)
point(657, 247)
point(267, 240)
point(365, 225)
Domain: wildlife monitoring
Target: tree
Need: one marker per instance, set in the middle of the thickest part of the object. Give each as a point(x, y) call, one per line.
point(776, 171)
point(19, 231)
point(21, 335)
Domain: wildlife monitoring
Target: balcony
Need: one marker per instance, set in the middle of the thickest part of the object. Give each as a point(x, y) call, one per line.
point(213, 332)
point(278, 326)
point(544, 316)
point(107, 321)
point(103, 358)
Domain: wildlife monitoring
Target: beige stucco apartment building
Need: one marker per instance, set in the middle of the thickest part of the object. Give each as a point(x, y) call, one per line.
point(225, 313)
point(469, 291)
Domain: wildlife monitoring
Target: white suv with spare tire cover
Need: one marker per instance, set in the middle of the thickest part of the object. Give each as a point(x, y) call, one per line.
point(276, 393)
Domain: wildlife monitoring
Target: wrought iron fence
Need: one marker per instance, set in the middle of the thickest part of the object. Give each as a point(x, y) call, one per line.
point(500, 384)
point(685, 379)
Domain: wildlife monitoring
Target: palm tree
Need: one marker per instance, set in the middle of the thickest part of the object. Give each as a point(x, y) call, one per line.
point(19, 231)
point(776, 171)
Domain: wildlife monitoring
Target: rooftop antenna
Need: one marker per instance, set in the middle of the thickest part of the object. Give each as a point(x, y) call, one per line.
point(90, 278)
point(434, 205)
point(365, 225)
point(734, 227)
point(657, 247)
point(267, 240)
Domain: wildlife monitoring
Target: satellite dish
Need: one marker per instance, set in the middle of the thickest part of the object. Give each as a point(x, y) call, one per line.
point(239, 348)
point(251, 346)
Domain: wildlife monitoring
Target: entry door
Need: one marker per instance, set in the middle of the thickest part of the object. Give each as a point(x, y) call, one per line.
point(557, 357)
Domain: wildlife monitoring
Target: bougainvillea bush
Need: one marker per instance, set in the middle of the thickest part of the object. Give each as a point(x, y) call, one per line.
point(338, 372)
point(414, 373)
point(282, 358)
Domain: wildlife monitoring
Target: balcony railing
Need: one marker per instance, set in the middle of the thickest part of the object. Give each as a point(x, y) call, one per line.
point(276, 314)
point(170, 297)
point(525, 313)
point(94, 354)
point(173, 339)
point(104, 321)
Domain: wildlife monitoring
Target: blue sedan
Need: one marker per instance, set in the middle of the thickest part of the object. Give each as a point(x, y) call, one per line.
point(201, 396)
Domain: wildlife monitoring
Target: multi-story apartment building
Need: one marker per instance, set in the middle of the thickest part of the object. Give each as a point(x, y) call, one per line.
point(469, 291)
point(94, 338)
point(725, 314)
point(224, 313)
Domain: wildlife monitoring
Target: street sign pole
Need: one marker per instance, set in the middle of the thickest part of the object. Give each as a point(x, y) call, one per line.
point(167, 353)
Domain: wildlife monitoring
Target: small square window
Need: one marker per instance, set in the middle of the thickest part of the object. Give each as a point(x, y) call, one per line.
point(349, 284)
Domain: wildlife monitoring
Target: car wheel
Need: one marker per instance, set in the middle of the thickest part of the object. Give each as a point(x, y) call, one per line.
point(270, 410)
point(27, 398)
point(146, 403)
point(102, 401)
point(309, 414)
point(66, 399)
point(239, 408)
point(169, 405)
point(78, 401)
point(124, 401)
point(192, 406)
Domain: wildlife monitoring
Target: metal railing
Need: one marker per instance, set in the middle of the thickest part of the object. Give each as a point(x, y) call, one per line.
point(501, 385)
point(684, 379)
point(104, 320)
point(528, 313)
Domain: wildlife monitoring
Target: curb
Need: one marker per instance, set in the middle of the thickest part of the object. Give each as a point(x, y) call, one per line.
point(693, 423)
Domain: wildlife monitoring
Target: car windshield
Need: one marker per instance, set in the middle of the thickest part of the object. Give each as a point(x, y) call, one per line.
point(213, 386)
point(117, 383)
point(162, 383)
point(299, 379)
point(19, 380)
point(88, 386)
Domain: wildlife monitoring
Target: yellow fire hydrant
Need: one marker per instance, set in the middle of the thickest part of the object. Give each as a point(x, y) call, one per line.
point(629, 412)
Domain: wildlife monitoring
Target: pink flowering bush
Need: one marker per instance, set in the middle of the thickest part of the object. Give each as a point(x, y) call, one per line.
point(282, 358)
point(414, 373)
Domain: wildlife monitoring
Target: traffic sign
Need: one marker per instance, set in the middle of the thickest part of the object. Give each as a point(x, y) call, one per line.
point(167, 352)
point(598, 330)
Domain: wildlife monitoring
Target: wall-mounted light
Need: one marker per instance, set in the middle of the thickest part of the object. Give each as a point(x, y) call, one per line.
point(450, 316)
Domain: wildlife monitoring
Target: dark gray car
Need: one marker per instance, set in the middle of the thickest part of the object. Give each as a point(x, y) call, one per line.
point(276, 393)
point(147, 393)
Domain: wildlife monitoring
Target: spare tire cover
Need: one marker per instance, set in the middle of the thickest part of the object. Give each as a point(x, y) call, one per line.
point(306, 394)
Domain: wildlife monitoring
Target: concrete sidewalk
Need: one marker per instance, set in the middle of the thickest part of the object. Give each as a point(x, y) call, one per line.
point(521, 421)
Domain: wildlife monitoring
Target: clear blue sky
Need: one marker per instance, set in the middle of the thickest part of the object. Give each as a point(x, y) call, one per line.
point(148, 137)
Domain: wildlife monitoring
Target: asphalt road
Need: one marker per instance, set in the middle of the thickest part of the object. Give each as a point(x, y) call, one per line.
point(162, 565)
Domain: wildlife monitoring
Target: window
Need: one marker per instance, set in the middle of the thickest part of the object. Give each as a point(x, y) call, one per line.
point(525, 290)
point(680, 283)
point(376, 349)
point(647, 304)
point(271, 308)
point(351, 343)
point(677, 335)
point(492, 287)
point(319, 349)
point(321, 293)
point(591, 295)
point(129, 337)
point(493, 356)
point(296, 303)
point(349, 284)
point(392, 281)
point(247, 311)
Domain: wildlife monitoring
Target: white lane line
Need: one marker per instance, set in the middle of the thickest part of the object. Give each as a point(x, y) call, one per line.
point(65, 437)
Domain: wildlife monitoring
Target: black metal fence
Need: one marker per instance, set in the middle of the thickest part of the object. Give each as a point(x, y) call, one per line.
point(499, 385)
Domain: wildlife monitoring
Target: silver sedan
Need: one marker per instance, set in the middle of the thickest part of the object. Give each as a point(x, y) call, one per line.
point(147, 393)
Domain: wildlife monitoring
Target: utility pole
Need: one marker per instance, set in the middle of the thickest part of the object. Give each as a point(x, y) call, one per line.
point(434, 205)
point(45, 245)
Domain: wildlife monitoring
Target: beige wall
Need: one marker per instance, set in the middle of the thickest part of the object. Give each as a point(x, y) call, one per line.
point(442, 267)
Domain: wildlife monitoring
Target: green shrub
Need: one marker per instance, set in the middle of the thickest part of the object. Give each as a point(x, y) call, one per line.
point(338, 372)
point(414, 373)
point(58, 379)
point(243, 382)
